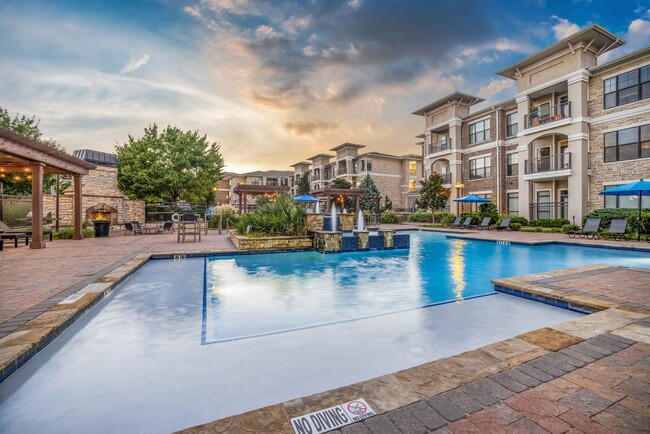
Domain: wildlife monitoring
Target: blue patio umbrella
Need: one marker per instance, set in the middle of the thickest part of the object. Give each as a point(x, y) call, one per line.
point(637, 188)
point(305, 198)
point(470, 198)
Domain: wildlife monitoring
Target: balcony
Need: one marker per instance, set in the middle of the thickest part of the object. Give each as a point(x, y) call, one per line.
point(440, 146)
point(549, 210)
point(553, 166)
point(547, 116)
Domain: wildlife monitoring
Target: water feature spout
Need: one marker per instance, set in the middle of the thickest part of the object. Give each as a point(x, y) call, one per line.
point(333, 216)
point(318, 207)
point(361, 226)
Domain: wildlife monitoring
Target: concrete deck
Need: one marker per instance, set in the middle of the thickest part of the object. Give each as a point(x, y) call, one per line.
point(551, 370)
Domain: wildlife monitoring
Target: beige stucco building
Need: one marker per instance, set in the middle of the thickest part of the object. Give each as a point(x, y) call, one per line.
point(397, 177)
point(226, 187)
point(573, 129)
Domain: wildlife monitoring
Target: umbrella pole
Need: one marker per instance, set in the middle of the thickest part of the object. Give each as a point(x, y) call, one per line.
point(638, 235)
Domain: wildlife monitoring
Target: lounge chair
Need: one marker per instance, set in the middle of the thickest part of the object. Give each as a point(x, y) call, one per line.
point(505, 225)
point(456, 223)
point(467, 223)
point(167, 226)
point(4, 229)
point(485, 224)
point(590, 229)
point(616, 230)
point(15, 236)
point(133, 227)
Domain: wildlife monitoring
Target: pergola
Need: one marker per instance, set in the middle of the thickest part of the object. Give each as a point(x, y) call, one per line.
point(340, 194)
point(19, 154)
point(244, 190)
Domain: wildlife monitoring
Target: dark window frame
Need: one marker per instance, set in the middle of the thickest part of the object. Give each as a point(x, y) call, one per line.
point(512, 169)
point(483, 172)
point(617, 146)
point(641, 74)
point(512, 126)
point(485, 132)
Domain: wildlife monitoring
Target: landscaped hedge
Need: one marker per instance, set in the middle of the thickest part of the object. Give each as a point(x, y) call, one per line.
point(606, 216)
point(388, 217)
point(68, 232)
point(548, 223)
point(422, 216)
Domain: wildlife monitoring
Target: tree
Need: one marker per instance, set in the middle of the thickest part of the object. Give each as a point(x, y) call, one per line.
point(372, 195)
point(388, 204)
point(169, 165)
point(433, 195)
point(303, 185)
point(19, 184)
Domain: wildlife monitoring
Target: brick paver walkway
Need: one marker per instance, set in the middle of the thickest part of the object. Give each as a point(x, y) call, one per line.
point(596, 386)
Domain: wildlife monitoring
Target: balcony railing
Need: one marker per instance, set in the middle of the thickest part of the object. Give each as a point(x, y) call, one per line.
point(549, 164)
point(545, 116)
point(439, 146)
point(549, 210)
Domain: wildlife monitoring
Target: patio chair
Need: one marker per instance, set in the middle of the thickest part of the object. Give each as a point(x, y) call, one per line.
point(133, 227)
point(467, 223)
point(168, 226)
point(456, 223)
point(188, 225)
point(590, 229)
point(504, 225)
point(485, 224)
point(616, 230)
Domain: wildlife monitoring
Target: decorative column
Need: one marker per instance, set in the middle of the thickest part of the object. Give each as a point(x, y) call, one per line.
point(78, 216)
point(525, 199)
point(37, 207)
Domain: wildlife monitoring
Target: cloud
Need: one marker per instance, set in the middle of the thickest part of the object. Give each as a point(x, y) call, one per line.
point(307, 128)
point(495, 86)
point(563, 28)
point(193, 10)
point(135, 63)
point(636, 37)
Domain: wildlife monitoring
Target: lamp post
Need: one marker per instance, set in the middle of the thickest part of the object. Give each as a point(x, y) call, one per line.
point(459, 188)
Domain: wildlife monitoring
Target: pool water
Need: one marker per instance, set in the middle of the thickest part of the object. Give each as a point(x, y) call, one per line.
point(152, 356)
point(295, 290)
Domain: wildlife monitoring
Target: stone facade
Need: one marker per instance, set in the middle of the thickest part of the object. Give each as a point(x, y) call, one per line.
point(269, 243)
point(99, 190)
point(328, 241)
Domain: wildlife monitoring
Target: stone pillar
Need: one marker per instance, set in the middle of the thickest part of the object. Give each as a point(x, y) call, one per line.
point(78, 214)
point(523, 107)
point(37, 207)
point(389, 240)
point(328, 241)
point(455, 162)
point(578, 181)
point(364, 240)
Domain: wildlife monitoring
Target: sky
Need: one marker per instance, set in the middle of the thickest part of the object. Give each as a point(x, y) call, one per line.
point(274, 82)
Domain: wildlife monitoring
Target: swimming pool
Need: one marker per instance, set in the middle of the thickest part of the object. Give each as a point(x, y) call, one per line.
point(164, 351)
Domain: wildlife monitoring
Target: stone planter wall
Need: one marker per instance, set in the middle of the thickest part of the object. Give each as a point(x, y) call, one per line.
point(314, 222)
point(269, 243)
point(328, 241)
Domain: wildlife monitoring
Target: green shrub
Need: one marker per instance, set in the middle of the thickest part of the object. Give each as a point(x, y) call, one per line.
point(388, 217)
point(531, 229)
point(548, 223)
point(445, 218)
point(632, 215)
point(515, 226)
point(281, 217)
point(420, 216)
point(516, 219)
point(488, 210)
point(68, 232)
point(569, 228)
point(230, 219)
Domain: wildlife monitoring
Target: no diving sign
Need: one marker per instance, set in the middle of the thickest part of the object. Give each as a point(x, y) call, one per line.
point(332, 418)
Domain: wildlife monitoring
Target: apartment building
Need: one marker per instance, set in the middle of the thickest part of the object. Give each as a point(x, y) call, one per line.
point(573, 129)
point(395, 176)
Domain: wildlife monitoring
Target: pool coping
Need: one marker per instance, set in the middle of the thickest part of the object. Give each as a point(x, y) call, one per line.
point(27, 340)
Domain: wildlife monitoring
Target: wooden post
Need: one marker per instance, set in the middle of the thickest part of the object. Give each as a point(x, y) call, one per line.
point(240, 203)
point(357, 205)
point(78, 216)
point(37, 207)
point(245, 204)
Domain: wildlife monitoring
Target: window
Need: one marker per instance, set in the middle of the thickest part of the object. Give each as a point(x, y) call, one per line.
point(631, 202)
point(479, 132)
point(543, 204)
point(627, 144)
point(413, 168)
point(412, 185)
point(628, 87)
point(369, 165)
point(513, 164)
point(363, 165)
point(479, 168)
point(513, 204)
point(513, 126)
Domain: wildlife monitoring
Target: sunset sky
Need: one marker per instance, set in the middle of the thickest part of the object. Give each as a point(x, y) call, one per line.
point(273, 82)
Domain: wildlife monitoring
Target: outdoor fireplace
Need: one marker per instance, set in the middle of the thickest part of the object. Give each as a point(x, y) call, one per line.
point(101, 216)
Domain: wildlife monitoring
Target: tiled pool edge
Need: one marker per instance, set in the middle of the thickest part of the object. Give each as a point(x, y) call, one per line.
point(18, 347)
point(398, 390)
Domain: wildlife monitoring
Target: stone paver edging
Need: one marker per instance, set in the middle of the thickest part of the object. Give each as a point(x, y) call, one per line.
point(23, 343)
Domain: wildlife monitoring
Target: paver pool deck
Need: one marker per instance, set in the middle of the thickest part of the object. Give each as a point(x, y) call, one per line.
point(585, 375)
